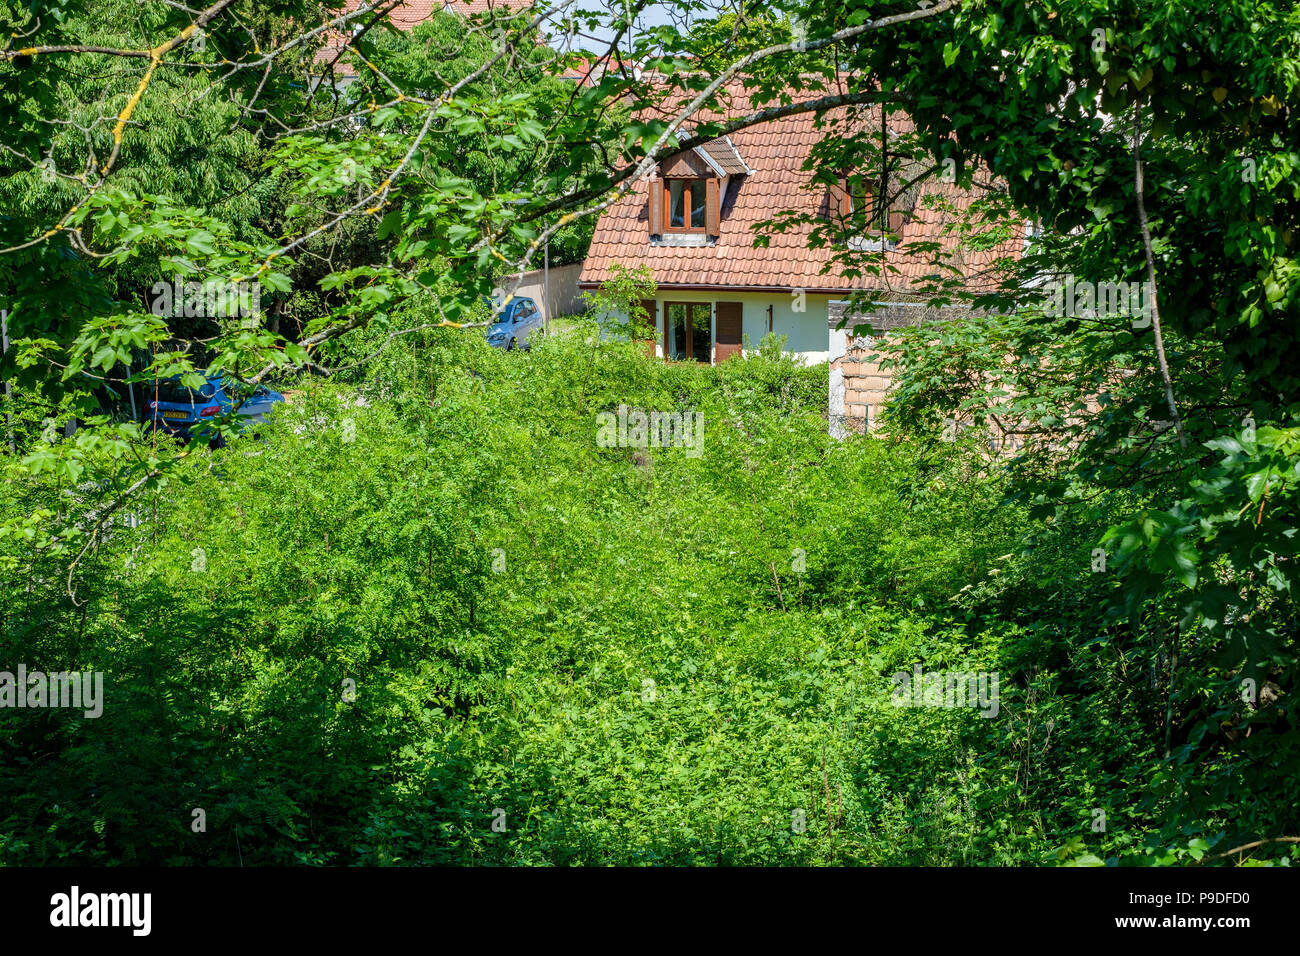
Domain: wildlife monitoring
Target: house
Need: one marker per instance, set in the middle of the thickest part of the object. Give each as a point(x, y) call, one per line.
point(693, 220)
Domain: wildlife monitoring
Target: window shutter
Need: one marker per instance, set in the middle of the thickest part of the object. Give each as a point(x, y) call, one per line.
point(652, 312)
point(713, 216)
point(652, 316)
point(896, 219)
point(729, 324)
point(839, 202)
point(656, 206)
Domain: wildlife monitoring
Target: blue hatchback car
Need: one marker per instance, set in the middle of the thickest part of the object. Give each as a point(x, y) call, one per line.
point(518, 326)
point(179, 410)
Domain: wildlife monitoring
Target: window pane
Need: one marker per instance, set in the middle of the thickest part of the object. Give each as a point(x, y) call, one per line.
point(700, 337)
point(676, 340)
point(171, 390)
point(676, 206)
point(860, 202)
point(698, 207)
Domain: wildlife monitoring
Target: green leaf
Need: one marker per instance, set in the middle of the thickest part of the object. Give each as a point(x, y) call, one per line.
point(200, 243)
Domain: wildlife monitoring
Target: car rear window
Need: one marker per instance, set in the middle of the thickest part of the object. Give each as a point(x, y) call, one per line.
point(176, 392)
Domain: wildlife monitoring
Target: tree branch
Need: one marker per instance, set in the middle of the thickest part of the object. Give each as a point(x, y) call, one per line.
point(1151, 276)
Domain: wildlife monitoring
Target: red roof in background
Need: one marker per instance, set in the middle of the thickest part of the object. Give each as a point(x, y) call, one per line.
point(409, 14)
point(406, 14)
point(775, 151)
point(469, 7)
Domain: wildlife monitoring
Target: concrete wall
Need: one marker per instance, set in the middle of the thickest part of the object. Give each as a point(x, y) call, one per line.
point(565, 299)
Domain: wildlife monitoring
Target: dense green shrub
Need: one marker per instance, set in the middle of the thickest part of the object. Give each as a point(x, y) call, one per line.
point(622, 655)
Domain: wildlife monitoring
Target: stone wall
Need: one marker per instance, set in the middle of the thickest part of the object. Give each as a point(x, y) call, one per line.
point(858, 385)
point(866, 386)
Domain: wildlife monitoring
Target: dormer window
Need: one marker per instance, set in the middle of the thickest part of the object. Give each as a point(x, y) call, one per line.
point(686, 191)
point(1033, 232)
point(869, 224)
point(687, 204)
point(854, 202)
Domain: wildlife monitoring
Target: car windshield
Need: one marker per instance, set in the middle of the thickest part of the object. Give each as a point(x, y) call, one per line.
point(174, 391)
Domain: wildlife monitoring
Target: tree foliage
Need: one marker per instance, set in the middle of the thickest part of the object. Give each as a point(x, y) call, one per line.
point(1146, 594)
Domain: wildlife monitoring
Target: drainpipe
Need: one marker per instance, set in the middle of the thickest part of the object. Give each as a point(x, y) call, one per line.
point(837, 346)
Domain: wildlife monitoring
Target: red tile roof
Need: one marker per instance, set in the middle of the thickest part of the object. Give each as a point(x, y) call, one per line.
point(470, 7)
point(775, 151)
point(409, 14)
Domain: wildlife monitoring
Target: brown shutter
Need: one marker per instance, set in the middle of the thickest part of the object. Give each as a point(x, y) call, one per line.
point(729, 329)
point(652, 311)
point(656, 206)
point(896, 219)
point(712, 217)
point(840, 202)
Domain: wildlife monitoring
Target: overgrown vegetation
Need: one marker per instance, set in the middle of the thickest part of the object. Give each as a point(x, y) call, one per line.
point(635, 655)
point(639, 654)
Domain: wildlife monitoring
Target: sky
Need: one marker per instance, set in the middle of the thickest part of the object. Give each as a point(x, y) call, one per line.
point(656, 14)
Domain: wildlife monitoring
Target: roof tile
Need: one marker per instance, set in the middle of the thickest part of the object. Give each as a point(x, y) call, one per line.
point(776, 151)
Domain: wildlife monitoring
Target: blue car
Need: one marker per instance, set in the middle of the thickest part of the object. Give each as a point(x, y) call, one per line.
point(518, 326)
point(179, 410)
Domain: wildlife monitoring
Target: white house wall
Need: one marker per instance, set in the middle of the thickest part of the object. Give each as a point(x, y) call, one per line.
point(805, 331)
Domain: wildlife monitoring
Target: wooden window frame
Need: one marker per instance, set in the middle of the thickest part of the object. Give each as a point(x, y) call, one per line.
point(668, 331)
point(861, 209)
point(687, 209)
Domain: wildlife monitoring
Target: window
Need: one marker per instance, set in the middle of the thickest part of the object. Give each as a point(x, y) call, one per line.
point(687, 201)
point(689, 333)
point(1033, 232)
point(867, 223)
point(862, 211)
point(171, 390)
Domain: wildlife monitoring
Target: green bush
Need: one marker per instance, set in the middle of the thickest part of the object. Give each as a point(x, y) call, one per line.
point(618, 655)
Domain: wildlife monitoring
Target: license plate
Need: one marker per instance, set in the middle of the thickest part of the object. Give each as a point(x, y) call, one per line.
point(168, 413)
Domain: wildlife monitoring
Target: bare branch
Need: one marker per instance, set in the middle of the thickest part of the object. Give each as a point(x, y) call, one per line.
point(1151, 276)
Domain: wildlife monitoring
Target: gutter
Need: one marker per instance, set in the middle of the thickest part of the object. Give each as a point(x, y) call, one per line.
point(687, 287)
